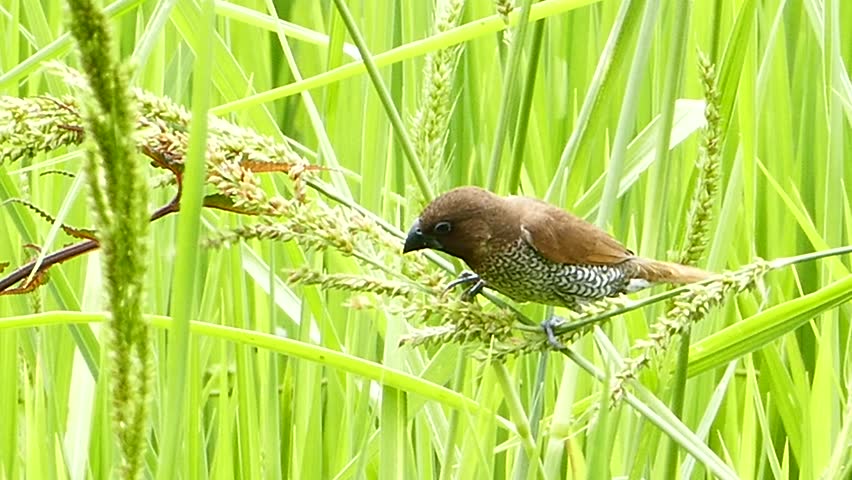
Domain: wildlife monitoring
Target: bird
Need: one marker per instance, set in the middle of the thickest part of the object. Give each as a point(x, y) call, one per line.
point(532, 251)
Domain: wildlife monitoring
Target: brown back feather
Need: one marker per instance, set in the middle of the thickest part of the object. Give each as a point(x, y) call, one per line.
point(564, 238)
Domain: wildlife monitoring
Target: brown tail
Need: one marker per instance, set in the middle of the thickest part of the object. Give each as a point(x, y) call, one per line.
point(656, 271)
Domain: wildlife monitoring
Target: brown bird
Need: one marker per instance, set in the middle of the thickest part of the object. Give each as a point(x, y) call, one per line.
point(532, 251)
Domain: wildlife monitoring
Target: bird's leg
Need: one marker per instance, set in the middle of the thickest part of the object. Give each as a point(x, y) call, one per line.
point(575, 304)
point(474, 289)
point(466, 276)
point(548, 326)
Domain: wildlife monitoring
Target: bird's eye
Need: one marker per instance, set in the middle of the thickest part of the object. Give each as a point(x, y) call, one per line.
point(443, 228)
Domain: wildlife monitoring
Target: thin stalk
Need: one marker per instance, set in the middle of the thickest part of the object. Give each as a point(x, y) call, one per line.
point(627, 118)
point(678, 394)
point(472, 30)
point(526, 449)
point(189, 226)
point(524, 111)
point(608, 65)
point(507, 96)
point(653, 410)
point(658, 176)
point(385, 97)
point(538, 394)
point(458, 381)
point(807, 257)
point(673, 73)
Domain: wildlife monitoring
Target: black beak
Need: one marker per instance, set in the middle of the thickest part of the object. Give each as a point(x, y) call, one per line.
point(417, 240)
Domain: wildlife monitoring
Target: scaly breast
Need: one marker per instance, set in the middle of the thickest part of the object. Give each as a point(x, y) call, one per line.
point(521, 273)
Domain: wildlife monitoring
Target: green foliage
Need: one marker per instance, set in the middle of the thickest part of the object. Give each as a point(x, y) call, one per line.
point(119, 196)
point(316, 350)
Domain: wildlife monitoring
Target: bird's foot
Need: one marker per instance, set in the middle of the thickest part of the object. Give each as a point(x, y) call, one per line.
point(474, 290)
point(466, 276)
point(548, 326)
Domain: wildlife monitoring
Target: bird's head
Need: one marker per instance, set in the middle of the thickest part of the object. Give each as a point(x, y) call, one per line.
point(461, 222)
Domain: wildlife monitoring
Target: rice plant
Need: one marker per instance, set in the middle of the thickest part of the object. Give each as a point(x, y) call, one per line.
point(204, 205)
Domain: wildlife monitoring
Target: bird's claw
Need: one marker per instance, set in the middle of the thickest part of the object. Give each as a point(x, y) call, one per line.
point(474, 290)
point(548, 326)
point(466, 276)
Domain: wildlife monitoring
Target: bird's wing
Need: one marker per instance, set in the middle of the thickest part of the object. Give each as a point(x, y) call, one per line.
point(564, 238)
